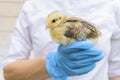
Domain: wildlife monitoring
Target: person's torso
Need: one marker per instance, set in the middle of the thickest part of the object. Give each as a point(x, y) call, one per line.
point(97, 12)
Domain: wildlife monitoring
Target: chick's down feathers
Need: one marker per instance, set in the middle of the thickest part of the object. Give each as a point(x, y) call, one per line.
point(65, 30)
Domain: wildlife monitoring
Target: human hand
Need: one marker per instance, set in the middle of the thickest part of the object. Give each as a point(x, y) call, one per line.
point(75, 59)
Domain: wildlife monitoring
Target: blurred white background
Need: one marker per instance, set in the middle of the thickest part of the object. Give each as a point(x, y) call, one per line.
point(9, 10)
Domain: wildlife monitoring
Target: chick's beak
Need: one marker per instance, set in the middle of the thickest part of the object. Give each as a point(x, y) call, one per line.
point(47, 26)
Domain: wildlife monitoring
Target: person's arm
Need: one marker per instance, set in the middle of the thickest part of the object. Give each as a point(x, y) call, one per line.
point(114, 58)
point(115, 78)
point(26, 70)
point(16, 64)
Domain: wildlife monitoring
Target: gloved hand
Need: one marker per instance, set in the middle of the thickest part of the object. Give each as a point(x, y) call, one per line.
point(72, 60)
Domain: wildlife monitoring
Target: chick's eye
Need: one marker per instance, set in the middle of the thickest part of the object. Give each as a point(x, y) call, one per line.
point(53, 21)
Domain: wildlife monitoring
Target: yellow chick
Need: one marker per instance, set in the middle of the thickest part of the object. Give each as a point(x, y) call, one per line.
point(54, 20)
point(65, 30)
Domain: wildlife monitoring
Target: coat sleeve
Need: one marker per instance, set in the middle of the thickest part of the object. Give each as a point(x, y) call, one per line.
point(114, 58)
point(21, 43)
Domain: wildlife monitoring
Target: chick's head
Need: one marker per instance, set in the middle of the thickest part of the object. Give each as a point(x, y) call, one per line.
point(55, 19)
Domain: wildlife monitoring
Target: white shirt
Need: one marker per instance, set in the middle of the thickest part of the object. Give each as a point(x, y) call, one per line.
point(31, 34)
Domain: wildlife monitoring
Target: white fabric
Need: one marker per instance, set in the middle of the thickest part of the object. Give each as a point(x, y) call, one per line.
point(31, 34)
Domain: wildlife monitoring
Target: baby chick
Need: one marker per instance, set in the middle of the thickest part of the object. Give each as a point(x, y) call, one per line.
point(65, 30)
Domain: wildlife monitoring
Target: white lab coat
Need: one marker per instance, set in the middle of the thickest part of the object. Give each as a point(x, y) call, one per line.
point(30, 32)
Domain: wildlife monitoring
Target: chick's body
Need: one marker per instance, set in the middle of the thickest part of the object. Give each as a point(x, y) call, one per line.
point(58, 36)
point(66, 30)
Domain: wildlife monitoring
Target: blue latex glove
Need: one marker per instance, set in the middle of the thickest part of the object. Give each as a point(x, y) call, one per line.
point(72, 60)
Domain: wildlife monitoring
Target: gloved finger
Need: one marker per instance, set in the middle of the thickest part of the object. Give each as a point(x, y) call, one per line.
point(75, 46)
point(63, 61)
point(61, 78)
point(75, 64)
point(93, 51)
point(84, 53)
point(80, 45)
point(79, 71)
point(83, 61)
point(96, 58)
point(90, 59)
